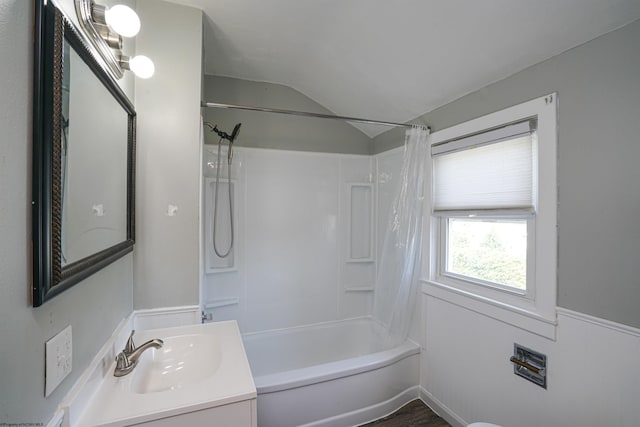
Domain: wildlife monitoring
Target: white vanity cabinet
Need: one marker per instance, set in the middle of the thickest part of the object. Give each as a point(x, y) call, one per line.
point(241, 414)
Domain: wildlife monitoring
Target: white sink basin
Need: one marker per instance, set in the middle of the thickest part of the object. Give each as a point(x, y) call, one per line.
point(198, 367)
point(183, 360)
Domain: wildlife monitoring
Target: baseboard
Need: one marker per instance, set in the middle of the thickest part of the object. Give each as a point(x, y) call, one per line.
point(370, 413)
point(443, 412)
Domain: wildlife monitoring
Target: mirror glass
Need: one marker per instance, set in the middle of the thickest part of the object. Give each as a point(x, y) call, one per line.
point(83, 160)
point(93, 164)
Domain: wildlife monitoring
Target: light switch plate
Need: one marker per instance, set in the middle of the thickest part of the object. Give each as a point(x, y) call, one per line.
point(58, 356)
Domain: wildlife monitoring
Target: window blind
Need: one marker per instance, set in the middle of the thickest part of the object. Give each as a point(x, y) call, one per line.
point(493, 170)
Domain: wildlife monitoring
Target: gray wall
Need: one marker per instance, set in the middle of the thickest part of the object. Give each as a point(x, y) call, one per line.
point(168, 156)
point(94, 307)
point(265, 130)
point(598, 87)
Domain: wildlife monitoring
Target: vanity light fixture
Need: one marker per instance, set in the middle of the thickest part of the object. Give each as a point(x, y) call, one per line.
point(120, 18)
point(104, 28)
point(140, 65)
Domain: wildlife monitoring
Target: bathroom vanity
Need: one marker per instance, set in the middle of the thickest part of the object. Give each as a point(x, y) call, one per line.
point(200, 376)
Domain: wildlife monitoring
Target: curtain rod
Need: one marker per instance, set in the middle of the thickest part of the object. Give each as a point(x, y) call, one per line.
point(304, 114)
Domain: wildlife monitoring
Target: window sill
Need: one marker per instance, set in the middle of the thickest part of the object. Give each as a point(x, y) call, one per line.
point(516, 316)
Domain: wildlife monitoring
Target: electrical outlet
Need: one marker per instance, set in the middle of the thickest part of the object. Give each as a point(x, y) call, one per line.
point(58, 356)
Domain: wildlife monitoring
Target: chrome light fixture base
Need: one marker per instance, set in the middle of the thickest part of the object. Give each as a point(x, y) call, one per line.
point(107, 43)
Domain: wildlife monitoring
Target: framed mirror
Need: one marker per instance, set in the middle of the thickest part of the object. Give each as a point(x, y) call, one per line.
point(83, 160)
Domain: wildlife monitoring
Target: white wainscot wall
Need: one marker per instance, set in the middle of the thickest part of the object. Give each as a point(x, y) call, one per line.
point(294, 225)
point(593, 370)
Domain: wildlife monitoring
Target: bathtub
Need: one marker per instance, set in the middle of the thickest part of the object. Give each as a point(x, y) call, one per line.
point(331, 374)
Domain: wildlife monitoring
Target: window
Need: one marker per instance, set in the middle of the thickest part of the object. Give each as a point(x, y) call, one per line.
point(487, 251)
point(484, 198)
point(493, 243)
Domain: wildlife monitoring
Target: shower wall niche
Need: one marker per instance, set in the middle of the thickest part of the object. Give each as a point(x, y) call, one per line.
point(360, 222)
point(221, 231)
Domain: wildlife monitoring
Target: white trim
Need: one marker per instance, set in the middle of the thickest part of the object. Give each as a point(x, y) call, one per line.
point(57, 420)
point(440, 409)
point(222, 302)
point(527, 320)
point(523, 111)
point(166, 317)
point(486, 137)
point(537, 315)
point(201, 218)
point(147, 312)
point(603, 323)
point(491, 289)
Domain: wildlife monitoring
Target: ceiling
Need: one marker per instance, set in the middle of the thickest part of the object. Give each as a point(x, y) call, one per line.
point(395, 60)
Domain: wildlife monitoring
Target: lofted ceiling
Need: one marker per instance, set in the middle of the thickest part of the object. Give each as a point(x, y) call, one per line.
point(395, 60)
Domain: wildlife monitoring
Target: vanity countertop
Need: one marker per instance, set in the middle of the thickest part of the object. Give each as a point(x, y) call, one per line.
point(215, 372)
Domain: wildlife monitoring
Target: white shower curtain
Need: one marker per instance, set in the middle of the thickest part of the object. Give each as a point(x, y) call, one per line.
point(399, 263)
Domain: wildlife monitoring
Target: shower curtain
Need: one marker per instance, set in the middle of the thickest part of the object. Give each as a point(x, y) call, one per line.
point(399, 264)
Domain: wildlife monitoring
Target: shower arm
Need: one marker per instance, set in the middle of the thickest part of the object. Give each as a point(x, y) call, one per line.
point(220, 133)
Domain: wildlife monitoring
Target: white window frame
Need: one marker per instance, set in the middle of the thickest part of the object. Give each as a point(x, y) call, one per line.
point(534, 310)
point(469, 282)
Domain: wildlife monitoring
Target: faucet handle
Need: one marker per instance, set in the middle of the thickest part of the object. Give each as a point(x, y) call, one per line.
point(122, 361)
point(130, 346)
point(123, 365)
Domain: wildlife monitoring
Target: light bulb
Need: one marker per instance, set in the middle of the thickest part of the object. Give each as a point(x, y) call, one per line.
point(123, 20)
point(142, 66)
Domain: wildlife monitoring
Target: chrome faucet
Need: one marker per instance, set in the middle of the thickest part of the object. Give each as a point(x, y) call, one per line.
point(127, 359)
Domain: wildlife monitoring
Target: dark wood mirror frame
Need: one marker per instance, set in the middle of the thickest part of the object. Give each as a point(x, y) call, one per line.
point(50, 276)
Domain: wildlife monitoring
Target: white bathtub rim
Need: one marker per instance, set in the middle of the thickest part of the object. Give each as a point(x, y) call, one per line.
point(301, 377)
point(310, 326)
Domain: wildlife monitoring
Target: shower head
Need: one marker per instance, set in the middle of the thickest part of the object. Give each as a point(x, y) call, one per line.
point(235, 132)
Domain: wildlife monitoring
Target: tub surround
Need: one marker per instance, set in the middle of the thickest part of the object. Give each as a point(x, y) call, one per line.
point(279, 193)
point(287, 273)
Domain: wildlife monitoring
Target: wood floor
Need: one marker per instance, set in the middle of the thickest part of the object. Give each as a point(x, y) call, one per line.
point(413, 414)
